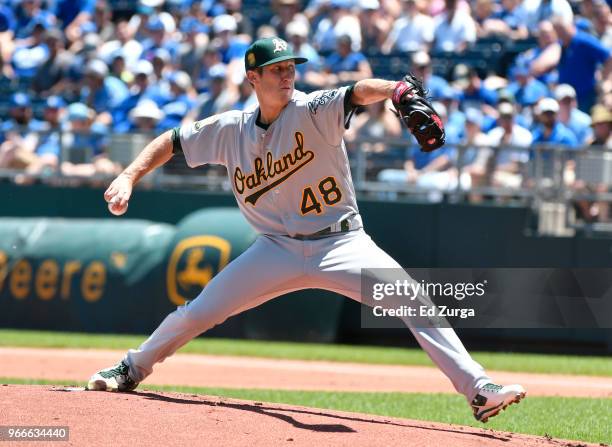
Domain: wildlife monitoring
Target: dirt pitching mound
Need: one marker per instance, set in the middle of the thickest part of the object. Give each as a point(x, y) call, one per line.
point(157, 418)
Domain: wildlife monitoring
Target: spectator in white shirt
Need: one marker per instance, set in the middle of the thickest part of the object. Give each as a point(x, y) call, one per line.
point(509, 163)
point(412, 31)
point(341, 22)
point(538, 10)
point(454, 29)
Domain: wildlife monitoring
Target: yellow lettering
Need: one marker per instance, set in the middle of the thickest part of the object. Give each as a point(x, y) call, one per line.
point(94, 279)
point(3, 268)
point(20, 279)
point(46, 280)
point(70, 268)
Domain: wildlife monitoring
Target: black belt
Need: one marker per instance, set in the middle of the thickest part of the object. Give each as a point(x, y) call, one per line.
point(345, 227)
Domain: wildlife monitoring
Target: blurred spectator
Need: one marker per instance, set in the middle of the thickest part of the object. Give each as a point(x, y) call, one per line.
point(130, 47)
point(509, 163)
point(483, 16)
point(157, 39)
point(601, 120)
point(525, 88)
point(244, 25)
point(342, 66)
point(340, 22)
point(180, 101)
point(602, 23)
point(102, 92)
point(100, 23)
point(454, 29)
point(575, 120)
point(218, 98)
point(476, 155)
point(375, 122)
point(509, 20)
point(119, 70)
point(286, 11)
point(230, 47)
point(421, 67)
point(28, 15)
point(29, 54)
point(537, 11)
point(49, 75)
point(550, 130)
point(19, 134)
point(297, 32)
point(211, 57)
point(374, 26)
point(46, 159)
point(139, 90)
point(146, 117)
point(71, 14)
point(7, 34)
point(542, 60)
point(246, 95)
point(430, 170)
point(85, 144)
point(578, 61)
point(191, 49)
point(412, 31)
point(456, 117)
point(473, 92)
point(590, 211)
point(161, 63)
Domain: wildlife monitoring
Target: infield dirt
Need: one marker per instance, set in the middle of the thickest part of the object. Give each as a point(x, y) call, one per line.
point(169, 419)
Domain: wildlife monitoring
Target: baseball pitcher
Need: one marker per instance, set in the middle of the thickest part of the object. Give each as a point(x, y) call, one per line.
point(290, 174)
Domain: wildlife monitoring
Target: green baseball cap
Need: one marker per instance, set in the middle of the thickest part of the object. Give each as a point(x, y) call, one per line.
point(268, 51)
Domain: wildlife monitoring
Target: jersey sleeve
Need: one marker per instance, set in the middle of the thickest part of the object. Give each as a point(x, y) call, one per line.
point(330, 111)
point(205, 141)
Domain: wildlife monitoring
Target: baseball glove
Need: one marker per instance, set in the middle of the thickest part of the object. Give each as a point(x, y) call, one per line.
point(417, 113)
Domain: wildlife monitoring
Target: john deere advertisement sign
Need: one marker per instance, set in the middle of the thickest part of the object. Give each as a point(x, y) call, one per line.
point(109, 274)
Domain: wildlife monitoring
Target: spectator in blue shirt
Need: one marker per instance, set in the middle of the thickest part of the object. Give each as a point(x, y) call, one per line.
point(421, 66)
point(580, 58)
point(224, 27)
point(525, 88)
point(69, 11)
point(576, 120)
point(158, 39)
point(102, 93)
point(19, 134)
point(473, 91)
point(550, 131)
point(29, 14)
point(139, 90)
point(347, 65)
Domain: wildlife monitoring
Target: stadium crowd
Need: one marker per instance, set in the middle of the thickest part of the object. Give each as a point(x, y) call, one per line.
point(502, 72)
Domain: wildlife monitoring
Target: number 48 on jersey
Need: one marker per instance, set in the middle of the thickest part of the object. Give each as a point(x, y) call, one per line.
point(328, 191)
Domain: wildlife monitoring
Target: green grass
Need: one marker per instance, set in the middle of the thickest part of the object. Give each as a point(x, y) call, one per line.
point(537, 363)
point(568, 418)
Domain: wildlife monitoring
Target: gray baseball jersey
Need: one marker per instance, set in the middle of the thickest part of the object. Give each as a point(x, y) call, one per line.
point(291, 178)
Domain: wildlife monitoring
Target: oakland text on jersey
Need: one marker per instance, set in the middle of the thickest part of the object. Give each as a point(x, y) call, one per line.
point(288, 164)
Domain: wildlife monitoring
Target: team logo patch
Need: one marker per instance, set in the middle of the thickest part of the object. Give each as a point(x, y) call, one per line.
point(251, 59)
point(321, 100)
point(279, 45)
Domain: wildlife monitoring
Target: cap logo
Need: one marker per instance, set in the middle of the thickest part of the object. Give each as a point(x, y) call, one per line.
point(251, 59)
point(279, 45)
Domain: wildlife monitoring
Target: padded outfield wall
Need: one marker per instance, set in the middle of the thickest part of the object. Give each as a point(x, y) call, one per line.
point(143, 265)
